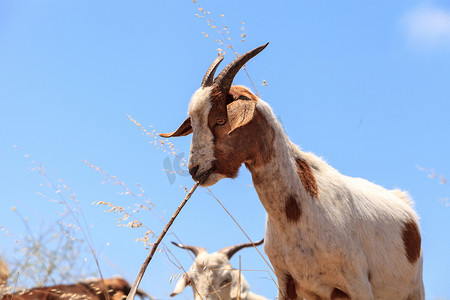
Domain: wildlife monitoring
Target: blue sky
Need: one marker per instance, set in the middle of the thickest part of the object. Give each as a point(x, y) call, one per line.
point(364, 85)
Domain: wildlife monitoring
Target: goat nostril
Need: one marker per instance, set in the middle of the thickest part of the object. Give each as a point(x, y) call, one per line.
point(193, 170)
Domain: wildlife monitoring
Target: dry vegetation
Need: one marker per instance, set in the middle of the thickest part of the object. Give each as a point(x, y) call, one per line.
point(431, 173)
point(56, 253)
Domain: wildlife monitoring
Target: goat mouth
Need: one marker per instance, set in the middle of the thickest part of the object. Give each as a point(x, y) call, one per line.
point(204, 176)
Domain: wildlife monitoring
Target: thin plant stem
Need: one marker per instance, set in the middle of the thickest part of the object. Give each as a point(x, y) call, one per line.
point(144, 266)
point(214, 196)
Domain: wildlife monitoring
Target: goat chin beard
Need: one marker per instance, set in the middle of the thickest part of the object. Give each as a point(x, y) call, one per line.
point(210, 179)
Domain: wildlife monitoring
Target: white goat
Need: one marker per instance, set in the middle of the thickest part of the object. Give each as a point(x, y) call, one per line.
point(328, 236)
point(212, 276)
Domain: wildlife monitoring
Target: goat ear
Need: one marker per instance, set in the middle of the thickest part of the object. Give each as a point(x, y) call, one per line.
point(240, 112)
point(184, 129)
point(181, 284)
point(242, 288)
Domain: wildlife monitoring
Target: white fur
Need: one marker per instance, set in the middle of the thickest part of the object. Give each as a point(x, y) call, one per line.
point(353, 228)
point(215, 278)
point(202, 146)
point(349, 238)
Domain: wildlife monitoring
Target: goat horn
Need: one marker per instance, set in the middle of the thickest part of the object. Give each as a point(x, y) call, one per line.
point(231, 250)
point(225, 78)
point(194, 249)
point(209, 76)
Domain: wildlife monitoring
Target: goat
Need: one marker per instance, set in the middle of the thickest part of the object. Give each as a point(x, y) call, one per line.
point(110, 289)
point(213, 277)
point(328, 236)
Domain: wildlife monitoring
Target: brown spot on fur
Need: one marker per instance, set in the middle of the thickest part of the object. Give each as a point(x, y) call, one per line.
point(307, 178)
point(251, 144)
point(292, 209)
point(289, 289)
point(338, 294)
point(411, 240)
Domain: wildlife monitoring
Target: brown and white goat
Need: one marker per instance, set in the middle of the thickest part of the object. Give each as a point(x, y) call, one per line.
point(110, 289)
point(328, 235)
point(212, 276)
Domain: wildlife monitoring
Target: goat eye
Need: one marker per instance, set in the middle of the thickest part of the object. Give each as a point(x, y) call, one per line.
point(220, 122)
point(225, 282)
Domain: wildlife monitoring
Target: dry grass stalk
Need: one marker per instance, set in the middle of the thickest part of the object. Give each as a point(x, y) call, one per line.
point(246, 235)
point(144, 266)
point(224, 33)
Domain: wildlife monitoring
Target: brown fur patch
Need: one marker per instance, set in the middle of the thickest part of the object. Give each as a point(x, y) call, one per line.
point(338, 294)
point(251, 144)
point(307, 178)
point(289, 289)
point(240, 112)
point(411, 240)
point(239, 91)
point(317, 297)
point(113, 288)
point(292, 209)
